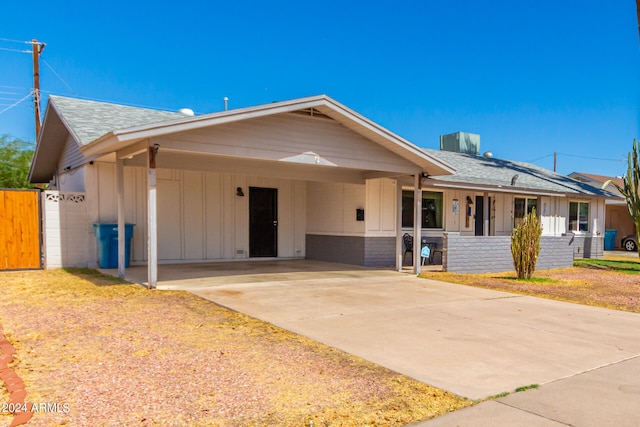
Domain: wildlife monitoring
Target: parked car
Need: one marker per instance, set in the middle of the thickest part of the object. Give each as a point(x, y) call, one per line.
point(630, 242)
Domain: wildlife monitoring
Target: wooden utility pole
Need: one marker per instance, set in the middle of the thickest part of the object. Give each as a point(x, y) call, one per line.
point(638, 12)
point(36, 50)
point(555, 158)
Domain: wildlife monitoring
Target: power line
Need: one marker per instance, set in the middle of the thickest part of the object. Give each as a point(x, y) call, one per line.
point(14, 41)
point(15, 50)
point(16, 103)
point(58, 76)
point(12, 87)
point(540, 158)
point(575, 155)
point(592, 158)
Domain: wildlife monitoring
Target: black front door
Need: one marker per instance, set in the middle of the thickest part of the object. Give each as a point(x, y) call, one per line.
point(480, 215)
point(263, 222)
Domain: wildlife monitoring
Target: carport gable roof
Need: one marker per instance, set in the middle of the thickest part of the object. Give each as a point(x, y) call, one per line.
point(102, 128)
point(492, 174)
point(84, 121)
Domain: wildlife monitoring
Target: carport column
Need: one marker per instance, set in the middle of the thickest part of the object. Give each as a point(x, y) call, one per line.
point(121, 223)
point(417, 222)
point(398, 225)
point(152, 219)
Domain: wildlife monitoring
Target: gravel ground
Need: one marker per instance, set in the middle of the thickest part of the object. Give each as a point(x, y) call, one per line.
point(117, 354)
point(598, 286)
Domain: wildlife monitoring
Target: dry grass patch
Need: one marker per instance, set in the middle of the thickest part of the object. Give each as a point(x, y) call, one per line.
point(119, 354)
point(604, 284)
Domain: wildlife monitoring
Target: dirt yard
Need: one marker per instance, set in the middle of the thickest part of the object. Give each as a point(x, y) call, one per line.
point(610, 283)
point(115, 354)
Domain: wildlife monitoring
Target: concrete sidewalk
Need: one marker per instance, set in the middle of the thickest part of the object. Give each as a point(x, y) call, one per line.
point(473, 342)
point(608, 396)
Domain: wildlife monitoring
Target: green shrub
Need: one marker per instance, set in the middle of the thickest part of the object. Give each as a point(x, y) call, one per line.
point(525, 245)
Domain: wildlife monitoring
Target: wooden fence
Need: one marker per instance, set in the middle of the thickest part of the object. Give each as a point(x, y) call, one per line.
point(19, 229)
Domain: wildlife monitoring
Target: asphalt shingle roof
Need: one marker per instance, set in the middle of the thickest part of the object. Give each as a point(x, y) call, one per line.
point(90, 120)
point(478, 170)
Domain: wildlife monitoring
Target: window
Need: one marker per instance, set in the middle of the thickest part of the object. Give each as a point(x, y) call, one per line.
point(432, 202)
point(519, 212)
point(579, 216)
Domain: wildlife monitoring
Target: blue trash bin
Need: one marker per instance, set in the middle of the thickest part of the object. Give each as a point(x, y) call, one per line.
point(610, 239)
point(107, 235)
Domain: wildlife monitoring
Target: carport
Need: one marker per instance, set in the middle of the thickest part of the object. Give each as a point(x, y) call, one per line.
point(307, 178)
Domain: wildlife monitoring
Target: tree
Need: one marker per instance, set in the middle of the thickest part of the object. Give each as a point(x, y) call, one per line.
point(15, 159)
point(631, 187)
point(525, 245)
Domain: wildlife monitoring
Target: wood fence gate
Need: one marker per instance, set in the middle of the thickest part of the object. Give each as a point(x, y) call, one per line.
point(19, 229)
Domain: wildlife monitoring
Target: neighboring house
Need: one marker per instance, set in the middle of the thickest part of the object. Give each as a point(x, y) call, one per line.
point(306, 178)
point(617, 212)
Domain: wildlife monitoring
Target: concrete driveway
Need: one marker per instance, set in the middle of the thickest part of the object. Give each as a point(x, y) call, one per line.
point(473, 342)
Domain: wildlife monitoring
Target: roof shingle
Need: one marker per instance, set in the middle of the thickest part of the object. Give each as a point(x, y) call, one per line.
point(90, 120)
point(478, 170)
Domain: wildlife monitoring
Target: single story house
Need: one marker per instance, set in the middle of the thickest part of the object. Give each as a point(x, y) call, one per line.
point(617, 212)
point(305, 178)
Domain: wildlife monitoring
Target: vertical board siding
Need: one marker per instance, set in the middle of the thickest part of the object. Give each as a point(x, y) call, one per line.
point(20, 230)
point(169, 220)
point(213, 215)
point(4, 232)
point(200, 217)
point(331, 208)
point(380, 209)
point(299, 218)
point(388, 205)
point(374, 205)
point(193, 214)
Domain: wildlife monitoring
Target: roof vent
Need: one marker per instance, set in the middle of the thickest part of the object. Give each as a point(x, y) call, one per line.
point(186, 112)
point(488, 155)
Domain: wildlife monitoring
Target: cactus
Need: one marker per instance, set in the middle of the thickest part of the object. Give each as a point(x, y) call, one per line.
point(631, 188)
point(525, 245)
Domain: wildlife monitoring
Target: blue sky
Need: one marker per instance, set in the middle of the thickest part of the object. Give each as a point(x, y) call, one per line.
point(530, 77)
